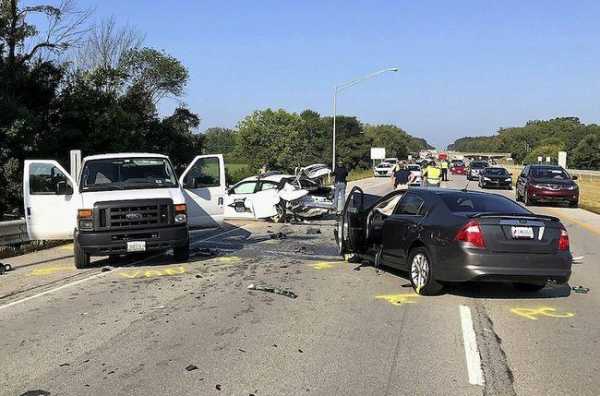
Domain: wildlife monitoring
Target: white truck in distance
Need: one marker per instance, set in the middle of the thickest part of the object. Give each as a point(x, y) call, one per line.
point(122, 203)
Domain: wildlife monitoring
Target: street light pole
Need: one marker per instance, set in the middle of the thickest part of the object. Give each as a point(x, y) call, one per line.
point(347, 85)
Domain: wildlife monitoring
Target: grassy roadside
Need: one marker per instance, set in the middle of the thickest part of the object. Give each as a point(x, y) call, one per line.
point(359, 173)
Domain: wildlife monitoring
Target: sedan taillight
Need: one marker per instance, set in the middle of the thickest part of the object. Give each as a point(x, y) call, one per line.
point(472, 234)
point(563, 241)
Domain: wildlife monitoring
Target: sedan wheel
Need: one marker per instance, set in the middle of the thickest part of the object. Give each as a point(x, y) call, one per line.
point(341, 235)
point(421, 276)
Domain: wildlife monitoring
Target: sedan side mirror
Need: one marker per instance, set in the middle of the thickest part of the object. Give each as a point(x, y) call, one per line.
point(574, 177)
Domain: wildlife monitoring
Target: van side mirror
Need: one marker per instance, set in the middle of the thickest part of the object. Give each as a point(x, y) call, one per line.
point(63, 188)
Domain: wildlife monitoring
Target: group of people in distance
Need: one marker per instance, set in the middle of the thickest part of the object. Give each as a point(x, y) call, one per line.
point(431, 176)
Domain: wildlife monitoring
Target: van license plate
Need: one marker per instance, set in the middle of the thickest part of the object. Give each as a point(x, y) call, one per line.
point(522, 232)
point(136, 246)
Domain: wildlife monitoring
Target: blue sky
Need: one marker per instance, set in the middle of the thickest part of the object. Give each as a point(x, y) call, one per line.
point(466, 67)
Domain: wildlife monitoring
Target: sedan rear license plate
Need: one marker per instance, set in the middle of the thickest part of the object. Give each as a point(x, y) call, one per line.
point(136, 246)
point(522, 232)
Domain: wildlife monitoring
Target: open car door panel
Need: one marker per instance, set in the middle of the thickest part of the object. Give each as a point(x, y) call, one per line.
point(204, 189)
point(50, 200)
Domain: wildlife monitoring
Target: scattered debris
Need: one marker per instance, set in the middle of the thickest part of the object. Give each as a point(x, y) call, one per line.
point(64, 365)
point(206, 252)
point(106, 269)
point(241, 350)
point(279, 235)
point(313, 231)
point(218, 386)
point(5, 268)
point(198, 276)
point(580, 289)
point(271, 289)
point(191, 367)
point(300, 350)
point(37, 392)
point(578, 260)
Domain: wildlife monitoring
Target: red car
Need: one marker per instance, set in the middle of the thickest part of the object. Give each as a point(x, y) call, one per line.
point(458, 168)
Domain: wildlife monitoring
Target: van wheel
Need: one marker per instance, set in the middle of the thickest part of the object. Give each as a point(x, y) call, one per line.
point(421, 274)
point(529, 287)
point(182, 253)
point(82, 259)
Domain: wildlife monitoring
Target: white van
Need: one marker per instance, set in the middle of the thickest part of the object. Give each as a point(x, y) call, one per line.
point(122, 203)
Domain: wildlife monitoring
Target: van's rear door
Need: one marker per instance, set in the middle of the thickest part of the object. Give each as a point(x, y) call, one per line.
point(520, 234)
point(204, 188)
point(50, 200)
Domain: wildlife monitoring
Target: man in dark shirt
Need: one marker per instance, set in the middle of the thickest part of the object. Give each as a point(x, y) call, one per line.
point(341, 173)
point(401, 176)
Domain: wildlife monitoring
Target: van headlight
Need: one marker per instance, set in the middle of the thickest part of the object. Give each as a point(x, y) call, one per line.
point(180, 214)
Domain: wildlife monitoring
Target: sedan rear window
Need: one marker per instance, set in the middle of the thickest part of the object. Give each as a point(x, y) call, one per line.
point(480, 203)
point(477, 164)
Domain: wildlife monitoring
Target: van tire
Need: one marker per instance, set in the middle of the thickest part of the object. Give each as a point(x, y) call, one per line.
point(82, 259)
point(182, 253)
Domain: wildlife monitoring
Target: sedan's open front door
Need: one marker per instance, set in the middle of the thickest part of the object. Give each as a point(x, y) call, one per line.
point(204, 187)
point(50, 200)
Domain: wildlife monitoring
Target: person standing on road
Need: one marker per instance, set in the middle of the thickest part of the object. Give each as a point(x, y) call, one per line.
point(402, 177)
point(341, 173)
point(444, 166)
point(432, 175)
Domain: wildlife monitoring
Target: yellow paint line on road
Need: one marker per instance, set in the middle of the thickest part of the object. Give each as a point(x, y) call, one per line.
point(534, 313)
point(50, 270)
point(398, 299)
point(152, 273)
point(588, 227)
point(323, 265)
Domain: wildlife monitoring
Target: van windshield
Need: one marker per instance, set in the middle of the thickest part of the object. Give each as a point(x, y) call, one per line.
point(126, 174)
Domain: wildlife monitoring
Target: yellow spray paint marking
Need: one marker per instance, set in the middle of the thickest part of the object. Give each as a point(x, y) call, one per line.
point(50, 270)
point(398, 299)
point(534, 313)
point(152, 273)
point(323, 265)
point(228, 259)
point(68, 247)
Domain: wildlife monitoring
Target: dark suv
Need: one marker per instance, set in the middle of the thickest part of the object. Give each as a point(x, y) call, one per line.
point(547, 183)
point(474, 168)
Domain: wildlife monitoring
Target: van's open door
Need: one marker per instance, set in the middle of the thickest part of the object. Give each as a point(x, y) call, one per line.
point(204, 187)
point(50, 200)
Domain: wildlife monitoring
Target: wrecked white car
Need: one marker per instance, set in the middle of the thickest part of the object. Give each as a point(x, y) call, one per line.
point(276, 196)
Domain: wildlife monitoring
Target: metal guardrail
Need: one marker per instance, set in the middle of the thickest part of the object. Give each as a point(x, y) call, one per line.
point(13, 232)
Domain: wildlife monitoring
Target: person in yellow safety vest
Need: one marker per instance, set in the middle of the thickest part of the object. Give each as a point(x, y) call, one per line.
point(444, 166)
point(432, 175)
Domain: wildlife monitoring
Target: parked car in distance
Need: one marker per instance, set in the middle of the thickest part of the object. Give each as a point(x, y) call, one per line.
point(495, 177)
point(547, 184)
point(457, 167)
point(416, 175)
point(391, 160)
point(474, 168)
point(441, 235)
point(383, 169)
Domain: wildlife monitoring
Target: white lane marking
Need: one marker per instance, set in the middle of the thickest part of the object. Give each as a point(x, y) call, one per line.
point(53, 290)
point(471, 349)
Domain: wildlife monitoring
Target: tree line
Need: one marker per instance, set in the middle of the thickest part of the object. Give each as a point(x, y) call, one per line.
point(73, 84)
point(283, 140)
point(543, 138)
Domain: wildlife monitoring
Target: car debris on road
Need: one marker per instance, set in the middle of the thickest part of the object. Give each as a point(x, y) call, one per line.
point(5, 268)
point(580, 289)
point(271, 289)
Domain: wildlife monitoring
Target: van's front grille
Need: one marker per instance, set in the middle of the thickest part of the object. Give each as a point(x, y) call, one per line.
point(133, 214)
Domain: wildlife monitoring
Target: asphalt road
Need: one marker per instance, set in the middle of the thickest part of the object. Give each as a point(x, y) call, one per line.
point(150, 327)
